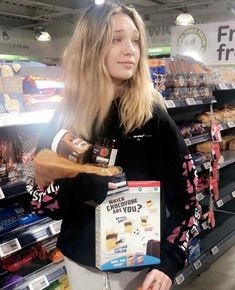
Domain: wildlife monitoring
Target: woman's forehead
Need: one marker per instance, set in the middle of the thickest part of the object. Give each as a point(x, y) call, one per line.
point(122, 22)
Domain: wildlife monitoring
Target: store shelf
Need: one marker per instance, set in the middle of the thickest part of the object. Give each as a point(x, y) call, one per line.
point(213, 245)
point(11, 189)
point(202, 194)
point(19, 238)
point(226, 194)
point(229, 158)
point(41, 278)
point(197, 139)
point(173, 104)
point(26, 118)
point(204, 166)
point(226, 126)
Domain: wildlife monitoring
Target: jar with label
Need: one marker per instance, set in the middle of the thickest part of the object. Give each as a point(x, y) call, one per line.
point(71, 147)
point(104, 152)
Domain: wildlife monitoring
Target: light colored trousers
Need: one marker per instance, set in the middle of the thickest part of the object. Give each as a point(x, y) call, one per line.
point(88, 278)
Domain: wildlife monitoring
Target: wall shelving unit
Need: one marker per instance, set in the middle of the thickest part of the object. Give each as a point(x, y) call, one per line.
point(213, 242)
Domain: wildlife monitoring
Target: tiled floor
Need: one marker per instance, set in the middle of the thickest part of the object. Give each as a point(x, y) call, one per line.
point(219, 276)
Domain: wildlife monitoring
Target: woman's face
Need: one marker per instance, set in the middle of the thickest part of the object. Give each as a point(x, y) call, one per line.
point(124, 53)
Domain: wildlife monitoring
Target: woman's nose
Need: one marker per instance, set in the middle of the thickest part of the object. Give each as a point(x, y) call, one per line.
point(129, 48)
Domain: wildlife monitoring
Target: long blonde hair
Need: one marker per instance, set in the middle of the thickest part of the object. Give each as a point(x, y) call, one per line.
point(89, 90)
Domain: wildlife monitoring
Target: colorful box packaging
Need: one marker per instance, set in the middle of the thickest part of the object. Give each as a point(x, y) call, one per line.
point(128, 227)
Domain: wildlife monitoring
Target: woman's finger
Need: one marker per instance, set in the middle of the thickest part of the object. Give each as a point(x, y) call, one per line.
point(112, 185)
point(148, 281)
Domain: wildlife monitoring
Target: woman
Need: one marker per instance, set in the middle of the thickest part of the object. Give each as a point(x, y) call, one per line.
point(108, 92)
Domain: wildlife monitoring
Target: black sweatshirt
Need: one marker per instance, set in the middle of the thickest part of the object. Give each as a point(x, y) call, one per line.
point(154, 152)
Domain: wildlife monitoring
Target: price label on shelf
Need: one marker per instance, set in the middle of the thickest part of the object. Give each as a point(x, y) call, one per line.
point(231, 124)
point(1, 193)
point(222, 86)
point(55, 227)
point(9, 247)
point(197, 264)
point(190, 101)
point(180, 279)
point(38, 283)
point(188, 142)
point(205, 225)
point(233, 194)
point(214, 250)
point(195, 232)
point(219, 203)
point(169, 104)
point(200, 196)
point(207, 165)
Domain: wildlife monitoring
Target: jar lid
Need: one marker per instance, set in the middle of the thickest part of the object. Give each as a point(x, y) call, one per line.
point(57, 139)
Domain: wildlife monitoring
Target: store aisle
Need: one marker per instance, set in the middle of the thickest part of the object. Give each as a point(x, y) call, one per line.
point(219, 276)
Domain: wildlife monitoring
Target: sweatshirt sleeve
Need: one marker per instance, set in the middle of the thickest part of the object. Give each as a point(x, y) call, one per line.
point(64, 197)
point(179, 188)
point(76, 191)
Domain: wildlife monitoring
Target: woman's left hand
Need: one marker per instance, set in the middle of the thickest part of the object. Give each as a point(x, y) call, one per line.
point(157, 280)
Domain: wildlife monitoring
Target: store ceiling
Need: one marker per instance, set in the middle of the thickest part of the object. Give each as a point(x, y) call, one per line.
point(31, 14)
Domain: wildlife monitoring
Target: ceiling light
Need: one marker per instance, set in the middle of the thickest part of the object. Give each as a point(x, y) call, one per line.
point(43, 36)
point(184, 18)
point(99, 2)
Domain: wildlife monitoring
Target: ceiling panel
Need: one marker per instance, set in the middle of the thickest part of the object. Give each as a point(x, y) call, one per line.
point(28, 14)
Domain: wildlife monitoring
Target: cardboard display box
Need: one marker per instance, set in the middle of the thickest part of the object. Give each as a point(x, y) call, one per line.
point(128, 227)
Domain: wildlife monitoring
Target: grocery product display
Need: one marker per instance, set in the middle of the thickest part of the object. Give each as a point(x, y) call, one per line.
point(27, 241)
point(205, 116)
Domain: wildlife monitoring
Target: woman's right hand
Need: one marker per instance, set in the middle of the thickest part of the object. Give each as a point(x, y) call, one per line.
point(111, 185)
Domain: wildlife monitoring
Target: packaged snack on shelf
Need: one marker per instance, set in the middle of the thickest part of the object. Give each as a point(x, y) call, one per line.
point(128, 227)
point(205, 147)
point(19, 259)
point(42, 93)
point(13, 102)
point(232, 145)
point(56, 255)
point(10, 70)
point(10, 217)
point(158, 74)
point(10, 281)
point(194, 250)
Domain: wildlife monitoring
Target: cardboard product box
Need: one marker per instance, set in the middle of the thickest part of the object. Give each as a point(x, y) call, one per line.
point(128, 227)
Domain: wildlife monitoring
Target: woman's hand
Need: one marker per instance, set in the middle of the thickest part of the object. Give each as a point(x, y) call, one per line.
point(110, 186)
point(157, 280)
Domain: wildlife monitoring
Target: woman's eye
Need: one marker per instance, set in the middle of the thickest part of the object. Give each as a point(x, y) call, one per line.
point(115, 40)
point(136, 41)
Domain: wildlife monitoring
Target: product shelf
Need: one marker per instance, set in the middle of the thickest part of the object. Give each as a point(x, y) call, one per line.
point(25, 118)
point(229, 158)
point(226, 126)
point(174, 104)
point(213, 245)
point(24, 236)
point(41, 278)
point(11, 189)
point(226, 193)
point(197, 139)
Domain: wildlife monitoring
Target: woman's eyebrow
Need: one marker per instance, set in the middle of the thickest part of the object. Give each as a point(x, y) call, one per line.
point(135, 31)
